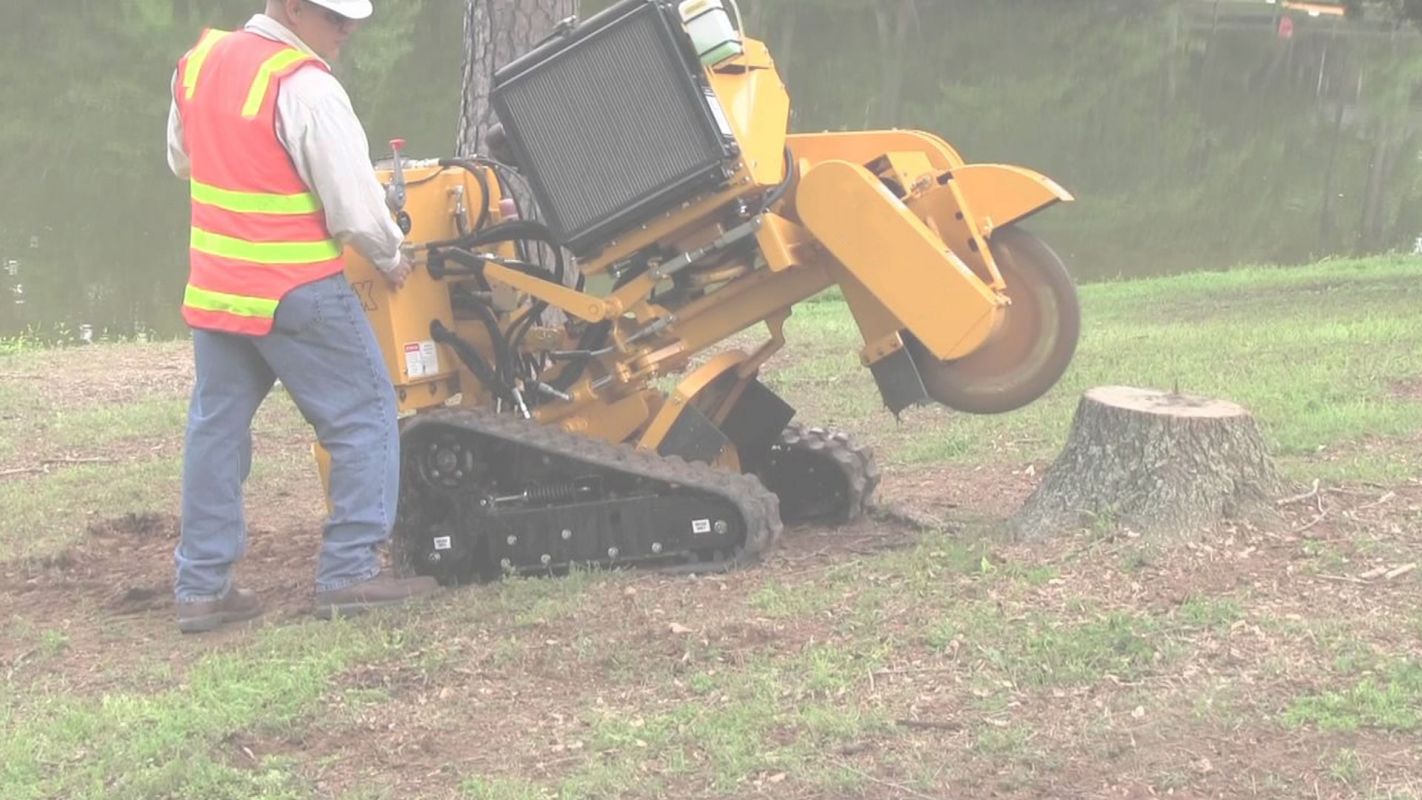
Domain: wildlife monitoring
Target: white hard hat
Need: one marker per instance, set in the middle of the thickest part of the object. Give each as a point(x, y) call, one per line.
point(350, 9)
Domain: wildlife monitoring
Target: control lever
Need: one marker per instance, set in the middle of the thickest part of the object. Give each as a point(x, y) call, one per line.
point(395, 192)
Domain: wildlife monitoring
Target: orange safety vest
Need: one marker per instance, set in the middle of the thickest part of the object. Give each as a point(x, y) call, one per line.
point(257, 230)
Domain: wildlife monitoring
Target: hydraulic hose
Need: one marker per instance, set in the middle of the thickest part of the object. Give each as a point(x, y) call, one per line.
point(472, 359)
point(479, 177)
point(779, 191)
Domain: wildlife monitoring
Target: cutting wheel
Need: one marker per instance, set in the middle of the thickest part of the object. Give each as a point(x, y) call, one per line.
point(1032, 347)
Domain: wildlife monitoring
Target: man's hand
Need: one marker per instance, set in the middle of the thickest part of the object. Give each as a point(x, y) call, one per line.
point(397, 276)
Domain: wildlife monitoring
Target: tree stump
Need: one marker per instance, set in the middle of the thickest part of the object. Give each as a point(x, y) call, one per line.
point(1160, 463)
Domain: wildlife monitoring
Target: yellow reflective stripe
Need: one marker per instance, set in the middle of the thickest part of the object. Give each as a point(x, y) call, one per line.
point(215, 244)
point(263, 81)
point(196, 59)
point(205, 300)
point(255, 202)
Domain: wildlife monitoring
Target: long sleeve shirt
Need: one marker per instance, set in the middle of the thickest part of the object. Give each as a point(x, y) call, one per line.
point(319, 128)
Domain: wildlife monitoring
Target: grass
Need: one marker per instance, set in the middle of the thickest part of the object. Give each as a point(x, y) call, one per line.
point(1035, 650)
point(1390, 699)
point(775, 714)
point(1313, 352)
point(168, 744)
point(106, 425)
point(1026, 665)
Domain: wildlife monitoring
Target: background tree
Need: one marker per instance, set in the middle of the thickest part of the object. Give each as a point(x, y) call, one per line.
point(495, 33)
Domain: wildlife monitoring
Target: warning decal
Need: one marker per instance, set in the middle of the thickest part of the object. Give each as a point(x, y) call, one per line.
point(421, 359)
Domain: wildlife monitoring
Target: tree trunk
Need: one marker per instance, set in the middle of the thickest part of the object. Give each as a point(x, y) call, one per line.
point(1162, 464)
point(1380, 168)
point(895, 21)
point(495, 33)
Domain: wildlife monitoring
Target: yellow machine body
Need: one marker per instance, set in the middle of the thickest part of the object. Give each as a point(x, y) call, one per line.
point(897, 220)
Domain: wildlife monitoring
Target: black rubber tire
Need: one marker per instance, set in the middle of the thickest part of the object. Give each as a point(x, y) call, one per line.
point(1031, 350)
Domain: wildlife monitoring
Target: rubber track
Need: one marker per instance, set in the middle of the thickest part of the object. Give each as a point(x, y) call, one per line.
point(759, 507)
point(853, 460)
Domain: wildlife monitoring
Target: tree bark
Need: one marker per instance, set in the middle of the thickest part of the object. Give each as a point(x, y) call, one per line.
point(495, 33)
point(1161, 464)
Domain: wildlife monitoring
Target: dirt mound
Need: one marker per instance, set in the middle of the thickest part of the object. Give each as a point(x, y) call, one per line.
point(1408, 389)
point(140, 526)
point(123, 566)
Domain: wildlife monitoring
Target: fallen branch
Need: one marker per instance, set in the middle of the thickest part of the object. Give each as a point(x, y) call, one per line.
point(930, 724)
point(1377, 502)
point(1312, 523)
point(1400, 571)
point(1299, 497)
point(44, 465)
point(1353, 492)
point(1342, 579)
point(903, 515)
point(913, 670)
point(19, 471)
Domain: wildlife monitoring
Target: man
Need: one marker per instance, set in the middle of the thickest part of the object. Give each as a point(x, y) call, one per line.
point(281, 180)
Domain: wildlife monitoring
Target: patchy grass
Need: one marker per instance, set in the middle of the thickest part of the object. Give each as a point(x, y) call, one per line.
point(104, 425)
point(1389, 699)
point(44, 513)
point(875, 660)
point(169, 744)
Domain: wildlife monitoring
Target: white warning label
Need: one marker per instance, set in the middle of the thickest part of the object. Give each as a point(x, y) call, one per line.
point(701, 526)
point(431, 356)
point(421, 359)
point(443, 543)
point(719, 113)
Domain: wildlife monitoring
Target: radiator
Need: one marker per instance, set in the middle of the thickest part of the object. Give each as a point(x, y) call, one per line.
point(613, 123)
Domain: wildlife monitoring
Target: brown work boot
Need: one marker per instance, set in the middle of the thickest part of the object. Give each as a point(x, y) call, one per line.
point(206, 615)
point(382, 591)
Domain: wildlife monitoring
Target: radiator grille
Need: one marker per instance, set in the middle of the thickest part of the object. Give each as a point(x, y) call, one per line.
point(611, 127)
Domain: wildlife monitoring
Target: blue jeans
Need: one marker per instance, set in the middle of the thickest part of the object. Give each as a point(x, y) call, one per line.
point(324, 352)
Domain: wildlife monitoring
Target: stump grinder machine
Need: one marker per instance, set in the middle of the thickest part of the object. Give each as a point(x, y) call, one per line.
point(566, 369)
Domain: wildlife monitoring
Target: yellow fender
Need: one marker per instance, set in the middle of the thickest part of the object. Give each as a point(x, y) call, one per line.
point(901, 262)
point(1000, 194)
point(861, 147)
point(996, 194)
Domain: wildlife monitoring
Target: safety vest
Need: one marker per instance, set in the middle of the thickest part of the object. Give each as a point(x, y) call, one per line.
point(257, 230)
